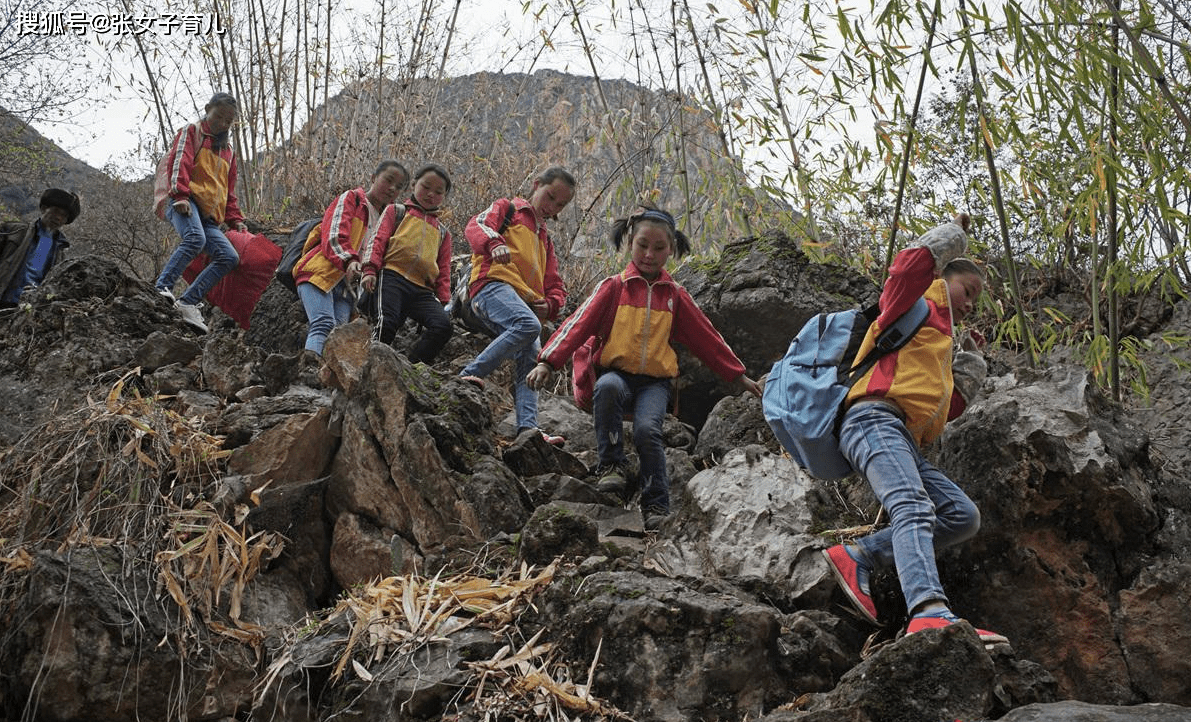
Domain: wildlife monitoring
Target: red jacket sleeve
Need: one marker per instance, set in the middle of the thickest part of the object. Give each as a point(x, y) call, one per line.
point(182, 152)
point(693, 329)
point(443, 283)
point(372, 255)
point(336, 242)
point(555, 290)
point(582, 324)
point(912, 272)
point(481, 231)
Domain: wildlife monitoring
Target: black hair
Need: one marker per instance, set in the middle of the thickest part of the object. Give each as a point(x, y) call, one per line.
point(67, 201)
point(390, 163)
point(437, 170)
point(649, 213)
point(221, 100)
point(959, 266)
point(552, 174)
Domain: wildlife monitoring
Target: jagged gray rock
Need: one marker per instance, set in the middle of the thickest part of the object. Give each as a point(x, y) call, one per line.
point(372, 466)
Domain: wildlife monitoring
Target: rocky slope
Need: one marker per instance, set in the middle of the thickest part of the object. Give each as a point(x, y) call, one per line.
point(215, 528)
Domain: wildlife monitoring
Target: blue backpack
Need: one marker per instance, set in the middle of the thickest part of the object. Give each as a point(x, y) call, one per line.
point(804, 394)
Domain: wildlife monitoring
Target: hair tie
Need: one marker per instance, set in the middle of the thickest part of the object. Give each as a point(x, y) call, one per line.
point(656, 215)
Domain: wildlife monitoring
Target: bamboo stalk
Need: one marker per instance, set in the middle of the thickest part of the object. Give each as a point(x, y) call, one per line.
point(1110, 176)
point(158, 101)
point(995, 182)
point(812, 227)
point(600, 91)
point(683, 176)
point(719, 118)
point(905, 169)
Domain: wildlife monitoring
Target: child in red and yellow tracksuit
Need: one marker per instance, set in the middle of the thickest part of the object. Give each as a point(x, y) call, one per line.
point(515, 285)
point(200, 175)
point(899, 406)
point(411, 252)
point(637, 364)
point(330, 259)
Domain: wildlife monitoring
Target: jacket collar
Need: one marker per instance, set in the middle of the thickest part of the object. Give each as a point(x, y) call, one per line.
point(630, 271)
point(412, 204)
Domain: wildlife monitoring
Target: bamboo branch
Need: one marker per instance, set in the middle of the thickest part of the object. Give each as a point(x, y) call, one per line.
point(719, 118)
point(905, 169)
point(995, 181)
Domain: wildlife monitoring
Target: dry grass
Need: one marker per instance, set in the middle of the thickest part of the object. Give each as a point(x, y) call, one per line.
point(391, 619)
point(128, 471)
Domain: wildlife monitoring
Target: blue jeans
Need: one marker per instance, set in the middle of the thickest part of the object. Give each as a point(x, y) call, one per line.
point(198, 235)
point(324, 311)
point(649, 396)
point(518, 337)
point(926, 509)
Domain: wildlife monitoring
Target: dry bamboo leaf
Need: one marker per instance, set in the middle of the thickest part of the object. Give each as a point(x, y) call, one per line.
point(18, 560)
point(255, 494)
point(175, 590)
point(408, 605)
point(240, 635)
point(361, 671)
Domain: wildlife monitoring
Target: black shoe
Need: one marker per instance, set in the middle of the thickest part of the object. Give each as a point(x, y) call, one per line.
point(611, 478)
point(654, 517)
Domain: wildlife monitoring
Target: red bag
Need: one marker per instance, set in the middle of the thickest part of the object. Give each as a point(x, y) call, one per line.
point(238, 291)
point(583, 361)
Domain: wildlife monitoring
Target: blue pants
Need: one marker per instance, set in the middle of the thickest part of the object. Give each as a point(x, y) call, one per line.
point(518, 337)
point(647, 397)
point(926, 509)
point(324, 311)
point(198, 235)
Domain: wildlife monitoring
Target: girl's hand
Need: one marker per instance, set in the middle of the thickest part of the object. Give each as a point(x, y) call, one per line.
point(538, 376)
point(182, 207)
point(540, 308)
point(241, 226)
point(368, 283)
point(971, 340)
point(353, 270)
point(501, 254)
point(751, 386)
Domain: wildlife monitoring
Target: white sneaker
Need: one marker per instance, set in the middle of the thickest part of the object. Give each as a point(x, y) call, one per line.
point(191, 315)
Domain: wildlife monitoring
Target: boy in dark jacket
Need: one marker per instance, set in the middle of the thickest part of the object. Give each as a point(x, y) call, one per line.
point(29, 250)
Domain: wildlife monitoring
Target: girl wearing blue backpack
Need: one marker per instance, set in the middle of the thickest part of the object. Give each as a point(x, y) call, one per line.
point(637, 314)
point(898, 407)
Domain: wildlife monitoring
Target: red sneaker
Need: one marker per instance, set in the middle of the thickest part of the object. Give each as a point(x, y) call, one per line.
point(944, 618)
point(853, 579)
point(474, 381)
point(552, 439)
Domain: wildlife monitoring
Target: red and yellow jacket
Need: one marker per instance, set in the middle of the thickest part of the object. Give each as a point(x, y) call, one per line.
point(648, 318)
point(334, 242)
point(415, 245)
point(206, 176)
point(918, 377)
point(533, 269)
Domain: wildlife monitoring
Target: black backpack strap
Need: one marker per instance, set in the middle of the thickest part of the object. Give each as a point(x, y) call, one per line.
point(504, 226)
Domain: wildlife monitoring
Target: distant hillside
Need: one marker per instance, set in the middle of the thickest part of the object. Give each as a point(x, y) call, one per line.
point(492, 131)
point(30, 163)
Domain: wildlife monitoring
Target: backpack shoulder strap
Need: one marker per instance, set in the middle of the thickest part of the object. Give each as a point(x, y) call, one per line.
point(504, 225)
point(890, 339)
